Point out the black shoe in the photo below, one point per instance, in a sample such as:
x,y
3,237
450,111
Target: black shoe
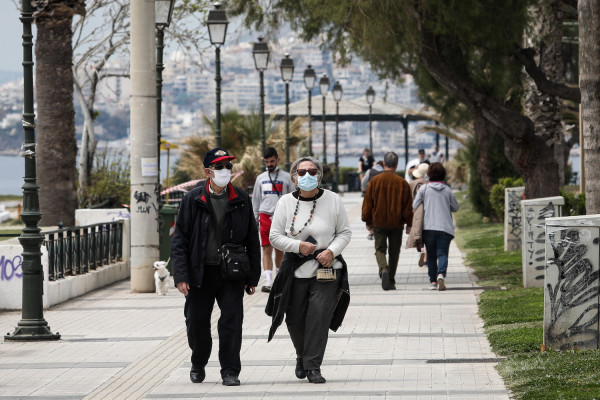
x,y
197,374
265,289
300,372
314,376
231,380
385,280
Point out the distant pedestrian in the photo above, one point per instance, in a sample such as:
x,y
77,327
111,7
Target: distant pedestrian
x,y
386,209
415,238
413,164
373,172
438,227
436,156
365,162
312,227
268,189
213,215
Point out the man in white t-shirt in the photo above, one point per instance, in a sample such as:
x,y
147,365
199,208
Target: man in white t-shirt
x,y
436,156
268,188
413,164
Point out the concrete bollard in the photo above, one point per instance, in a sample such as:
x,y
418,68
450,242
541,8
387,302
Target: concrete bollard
x,y
571,295
533,216
512,218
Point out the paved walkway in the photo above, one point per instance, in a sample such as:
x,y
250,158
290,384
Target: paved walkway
x,y
411,343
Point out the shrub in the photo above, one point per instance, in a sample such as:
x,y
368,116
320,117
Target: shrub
x,y
574,203
109,182
497,194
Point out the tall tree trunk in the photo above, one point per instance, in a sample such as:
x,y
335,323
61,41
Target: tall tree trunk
x,y
544,109
589,82
56,144
483,136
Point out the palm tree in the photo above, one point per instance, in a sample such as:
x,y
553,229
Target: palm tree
x,y
56,145
240,135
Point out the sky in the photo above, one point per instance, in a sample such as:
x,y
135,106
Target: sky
x,y
11,31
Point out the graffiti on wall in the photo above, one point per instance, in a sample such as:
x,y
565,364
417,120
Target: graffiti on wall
x,y
513,219
10,268
572,296
535,239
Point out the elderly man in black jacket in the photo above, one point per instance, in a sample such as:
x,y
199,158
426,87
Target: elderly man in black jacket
x,y
211,215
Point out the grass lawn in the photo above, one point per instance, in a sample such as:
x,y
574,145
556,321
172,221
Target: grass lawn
x,y
513,319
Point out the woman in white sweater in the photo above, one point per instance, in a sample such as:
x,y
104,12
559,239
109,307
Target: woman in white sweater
x,y
311,226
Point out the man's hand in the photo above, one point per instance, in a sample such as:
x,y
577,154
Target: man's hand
x,y
307,248
184,288
250,289
369,227
325,257
407,230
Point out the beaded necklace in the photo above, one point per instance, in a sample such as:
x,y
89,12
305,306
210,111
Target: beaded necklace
x,y
296,213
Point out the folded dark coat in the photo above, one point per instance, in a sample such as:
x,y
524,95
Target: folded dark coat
x,y
279,298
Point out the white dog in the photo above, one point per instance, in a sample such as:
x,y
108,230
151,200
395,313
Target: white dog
x,y
161,277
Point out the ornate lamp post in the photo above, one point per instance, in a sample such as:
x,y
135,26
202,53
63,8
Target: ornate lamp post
x,y
324,86
337,96
309,82
163,11
287,73
217,29
260,52
32,326
370,100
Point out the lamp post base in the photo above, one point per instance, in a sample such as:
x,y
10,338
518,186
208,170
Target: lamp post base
x,y
32,330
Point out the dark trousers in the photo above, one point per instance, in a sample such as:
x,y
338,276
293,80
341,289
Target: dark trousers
x,y
308,318
198,309
382,236
437,245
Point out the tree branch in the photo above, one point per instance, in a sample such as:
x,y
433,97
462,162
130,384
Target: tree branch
x,y
525,57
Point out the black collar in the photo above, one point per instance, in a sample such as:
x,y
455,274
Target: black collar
x,y
296,194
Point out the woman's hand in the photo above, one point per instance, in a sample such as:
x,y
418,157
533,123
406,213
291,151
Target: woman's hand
x,y
325,257
307,248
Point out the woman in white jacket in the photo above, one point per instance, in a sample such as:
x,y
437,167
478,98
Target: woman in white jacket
x,y
438,227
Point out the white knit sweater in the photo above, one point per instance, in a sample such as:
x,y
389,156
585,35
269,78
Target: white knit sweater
x,y
329,226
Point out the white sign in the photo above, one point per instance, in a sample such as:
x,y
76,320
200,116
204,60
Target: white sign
x,y
150,166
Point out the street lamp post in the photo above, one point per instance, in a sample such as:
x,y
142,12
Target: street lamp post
x,y
287,73
324,86
260,52
370,100
309,82
337,96
32,326
163,11
217,29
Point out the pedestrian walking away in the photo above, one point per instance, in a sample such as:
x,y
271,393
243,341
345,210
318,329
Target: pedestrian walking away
x,y
387,209
438,227
268,189
373,172
311,226
214,219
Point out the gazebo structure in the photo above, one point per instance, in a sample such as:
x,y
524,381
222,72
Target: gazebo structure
x,y
357,109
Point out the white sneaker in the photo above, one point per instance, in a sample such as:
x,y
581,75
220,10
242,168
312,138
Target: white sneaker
x,y
433,286
441,283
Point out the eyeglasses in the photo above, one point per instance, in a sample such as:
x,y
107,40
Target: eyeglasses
x,y
311,171
219,167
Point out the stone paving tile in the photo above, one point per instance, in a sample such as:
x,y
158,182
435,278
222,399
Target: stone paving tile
x,y
411,343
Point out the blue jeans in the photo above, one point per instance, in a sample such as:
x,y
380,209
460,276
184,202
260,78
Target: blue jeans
x,y
437,245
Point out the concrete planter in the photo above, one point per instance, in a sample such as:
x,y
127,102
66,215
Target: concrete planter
x,y
512,218
533,218
571,297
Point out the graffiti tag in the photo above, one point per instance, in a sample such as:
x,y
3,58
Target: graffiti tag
x,y
10,268
142,197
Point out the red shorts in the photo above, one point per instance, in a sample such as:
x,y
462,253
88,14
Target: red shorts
x,y
264,221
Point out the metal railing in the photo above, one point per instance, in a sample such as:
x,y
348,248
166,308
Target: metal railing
x,y
80,249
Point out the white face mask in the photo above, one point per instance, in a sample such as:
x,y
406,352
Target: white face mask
x,y
222,177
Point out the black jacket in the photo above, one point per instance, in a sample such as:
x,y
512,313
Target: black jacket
x,y
280,295
188,245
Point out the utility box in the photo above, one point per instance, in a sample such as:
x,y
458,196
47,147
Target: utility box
x,y
571,297
168,216
533,220
512,218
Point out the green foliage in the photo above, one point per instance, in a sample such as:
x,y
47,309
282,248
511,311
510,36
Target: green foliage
x,y
497,194
343,172
514,306
574,203
517,338
109,182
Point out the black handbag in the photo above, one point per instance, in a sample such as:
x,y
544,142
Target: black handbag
x,y
235,264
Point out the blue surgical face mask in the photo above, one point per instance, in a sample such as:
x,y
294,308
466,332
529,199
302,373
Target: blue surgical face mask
x,y
308,182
